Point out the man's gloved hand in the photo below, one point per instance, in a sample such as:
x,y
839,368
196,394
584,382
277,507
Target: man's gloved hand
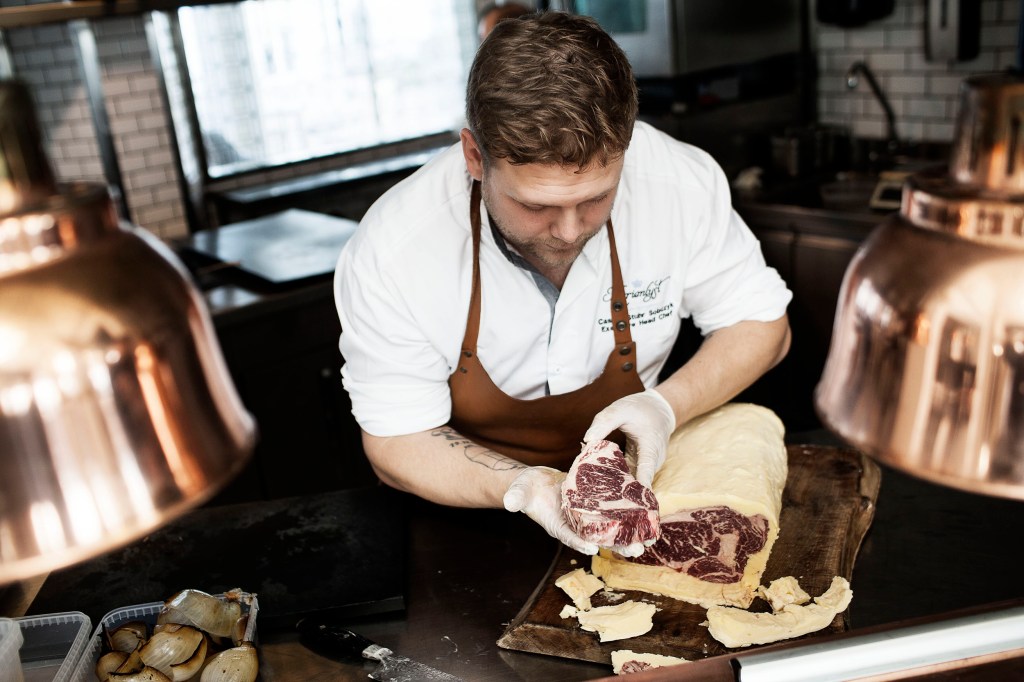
x,y
647,420
537,492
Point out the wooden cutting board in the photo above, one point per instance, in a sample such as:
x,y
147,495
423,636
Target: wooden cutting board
x,y
827,507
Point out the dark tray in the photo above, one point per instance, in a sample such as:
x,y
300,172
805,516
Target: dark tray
x,y
278,248
343,552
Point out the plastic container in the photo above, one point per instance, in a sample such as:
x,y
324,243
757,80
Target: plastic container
x,y
52,645
10,643
147,613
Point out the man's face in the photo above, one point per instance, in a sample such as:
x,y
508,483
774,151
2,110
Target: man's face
x,y
547,212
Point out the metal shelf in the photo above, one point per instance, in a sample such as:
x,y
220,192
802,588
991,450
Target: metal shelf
x,y
60,12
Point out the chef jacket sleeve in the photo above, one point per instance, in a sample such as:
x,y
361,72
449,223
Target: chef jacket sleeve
x,y
396,379
727,280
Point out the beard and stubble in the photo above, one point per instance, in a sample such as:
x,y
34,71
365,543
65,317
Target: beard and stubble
x,y
545,252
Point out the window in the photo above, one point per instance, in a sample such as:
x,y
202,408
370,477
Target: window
x,y
279,81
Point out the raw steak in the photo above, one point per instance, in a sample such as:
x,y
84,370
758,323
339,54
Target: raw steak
x,y
603,503
720,497
712,544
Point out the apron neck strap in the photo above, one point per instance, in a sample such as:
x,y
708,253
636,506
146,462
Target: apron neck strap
x,y
473,322
620,311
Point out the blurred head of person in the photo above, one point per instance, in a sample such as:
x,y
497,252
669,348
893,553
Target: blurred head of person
x,y
491,13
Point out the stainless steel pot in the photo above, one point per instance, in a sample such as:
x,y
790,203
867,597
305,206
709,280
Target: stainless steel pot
x,y
926,367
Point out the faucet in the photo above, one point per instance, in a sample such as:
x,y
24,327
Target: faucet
x,y
852,81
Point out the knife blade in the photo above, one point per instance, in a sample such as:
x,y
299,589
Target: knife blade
x,y
337,642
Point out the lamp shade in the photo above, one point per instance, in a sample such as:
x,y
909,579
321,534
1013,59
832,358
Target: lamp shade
x,y
117,412
926,366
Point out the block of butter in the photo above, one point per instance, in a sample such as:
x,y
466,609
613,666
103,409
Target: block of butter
x,y
621,621
720,495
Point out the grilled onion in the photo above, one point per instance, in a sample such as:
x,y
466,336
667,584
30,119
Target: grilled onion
x,y
172,645
240,664
127,637
190,627
132,664
188,669
238,631
205,612
145,675
109,662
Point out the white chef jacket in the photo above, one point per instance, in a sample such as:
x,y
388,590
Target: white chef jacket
x,y
402,286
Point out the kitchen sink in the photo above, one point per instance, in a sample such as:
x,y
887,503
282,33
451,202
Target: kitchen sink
x,y
870,182
846,191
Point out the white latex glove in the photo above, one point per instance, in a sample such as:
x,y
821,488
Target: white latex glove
x,y
647,420
537,492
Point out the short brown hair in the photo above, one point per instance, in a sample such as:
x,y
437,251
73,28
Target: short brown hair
x,y
551,88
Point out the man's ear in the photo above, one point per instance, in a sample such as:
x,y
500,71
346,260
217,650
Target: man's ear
x,y
471,152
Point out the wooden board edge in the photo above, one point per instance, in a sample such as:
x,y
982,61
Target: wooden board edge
x,y
860,523
869,485
531,601
534,638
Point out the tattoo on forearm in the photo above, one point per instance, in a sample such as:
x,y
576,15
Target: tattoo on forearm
x,y
475,453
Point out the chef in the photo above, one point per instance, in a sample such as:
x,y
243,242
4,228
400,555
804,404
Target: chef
x,y
521,292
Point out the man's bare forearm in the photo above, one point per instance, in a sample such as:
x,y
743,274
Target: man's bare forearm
x,y
728,361
473,452
443,466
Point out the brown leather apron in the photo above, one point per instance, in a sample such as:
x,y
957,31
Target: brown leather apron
x,y
543,431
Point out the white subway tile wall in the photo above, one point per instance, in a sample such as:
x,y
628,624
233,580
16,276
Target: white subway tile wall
x,y
140,130
45,58
923,94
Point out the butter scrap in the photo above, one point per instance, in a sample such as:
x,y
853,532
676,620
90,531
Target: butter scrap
x,y
735,627
580,585
783,591
620,621
625,661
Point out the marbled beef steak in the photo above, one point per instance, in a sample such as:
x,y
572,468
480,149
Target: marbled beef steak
x,y
712,544
603,503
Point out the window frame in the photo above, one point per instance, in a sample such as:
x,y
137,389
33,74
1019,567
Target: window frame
x,y
168,49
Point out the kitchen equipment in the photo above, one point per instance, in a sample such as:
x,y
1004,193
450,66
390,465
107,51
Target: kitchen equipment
x,y
802,151
953,30
889,190
827,508
978,643
668,38
853,74
10,641
117,412
913,649
279,248
341,553
54,642
926,365
849,192
334,641
852,13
